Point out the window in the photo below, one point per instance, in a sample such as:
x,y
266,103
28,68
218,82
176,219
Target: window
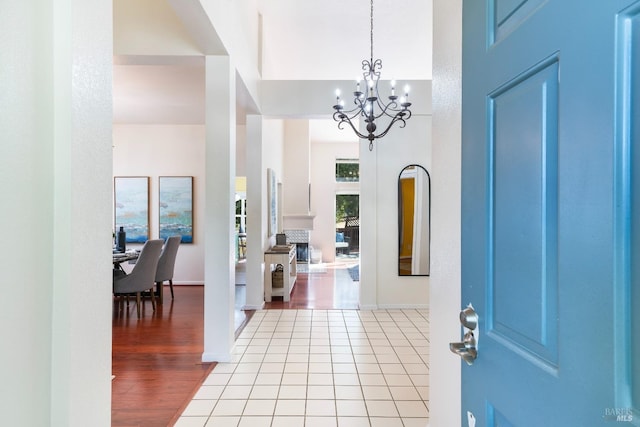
x,y
347,170
241,214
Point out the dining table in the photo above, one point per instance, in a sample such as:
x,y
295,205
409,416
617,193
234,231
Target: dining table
x,y
120,257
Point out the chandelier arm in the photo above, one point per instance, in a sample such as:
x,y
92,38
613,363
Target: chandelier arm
x,y
359,103
403,114
346,120
352,114
388,109
396,119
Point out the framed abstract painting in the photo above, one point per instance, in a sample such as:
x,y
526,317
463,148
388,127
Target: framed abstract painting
x,y
272,202
131,207
176,207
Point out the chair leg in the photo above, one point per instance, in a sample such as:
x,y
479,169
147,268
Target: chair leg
x,y
153,299
159,286
171,287
138,303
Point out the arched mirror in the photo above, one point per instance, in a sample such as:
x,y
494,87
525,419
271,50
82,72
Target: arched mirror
x,y
414,221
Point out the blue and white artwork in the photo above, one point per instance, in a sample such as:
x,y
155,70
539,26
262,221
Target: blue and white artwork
x,y
176,207
131,198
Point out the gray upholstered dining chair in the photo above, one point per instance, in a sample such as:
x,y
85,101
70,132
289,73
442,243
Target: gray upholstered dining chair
x,y
166,264
141,277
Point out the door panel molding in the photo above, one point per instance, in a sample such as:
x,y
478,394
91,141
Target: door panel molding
x,y
523,157
495,418
627,215
506,15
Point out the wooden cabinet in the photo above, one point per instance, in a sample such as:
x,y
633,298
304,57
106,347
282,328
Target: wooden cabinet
x,y
287,258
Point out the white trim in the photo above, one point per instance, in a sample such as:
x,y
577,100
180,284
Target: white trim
x,y
368,307
444,290
297,222
403,306
253,307
213,357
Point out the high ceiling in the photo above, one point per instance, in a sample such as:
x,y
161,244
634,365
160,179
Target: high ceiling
x,y
328,39
159,70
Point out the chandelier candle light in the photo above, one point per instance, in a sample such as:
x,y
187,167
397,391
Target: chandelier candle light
x,y
368,103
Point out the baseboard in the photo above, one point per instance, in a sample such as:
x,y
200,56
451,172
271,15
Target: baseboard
x,y
187,283
212,357
253,307
368,307
403,306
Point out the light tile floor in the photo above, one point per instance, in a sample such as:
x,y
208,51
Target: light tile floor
x,y
317,368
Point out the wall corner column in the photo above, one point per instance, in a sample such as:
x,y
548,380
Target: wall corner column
x,y
368,222
219,218
69,176
256,181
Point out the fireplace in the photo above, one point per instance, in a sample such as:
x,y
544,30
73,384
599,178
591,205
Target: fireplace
x,y
301,239
302,252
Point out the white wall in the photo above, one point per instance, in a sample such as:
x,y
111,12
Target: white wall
x,y
241,150
150,27
445,180
323,192
236,23
167,150
296,167
282,98
401,147
55,174
264,150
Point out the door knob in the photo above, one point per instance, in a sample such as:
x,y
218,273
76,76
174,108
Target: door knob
x,y
467,349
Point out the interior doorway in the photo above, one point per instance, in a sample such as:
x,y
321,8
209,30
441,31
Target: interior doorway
x,y
347,226
240,253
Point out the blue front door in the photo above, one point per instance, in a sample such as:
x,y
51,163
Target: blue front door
x,y
551,211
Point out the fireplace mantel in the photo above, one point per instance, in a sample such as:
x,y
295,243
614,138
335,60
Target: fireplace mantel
x,y
297,222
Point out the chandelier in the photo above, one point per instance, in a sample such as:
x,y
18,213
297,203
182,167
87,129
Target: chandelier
x,y
369,105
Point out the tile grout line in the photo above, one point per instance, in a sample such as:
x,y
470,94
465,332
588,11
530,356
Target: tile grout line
x,y
335,331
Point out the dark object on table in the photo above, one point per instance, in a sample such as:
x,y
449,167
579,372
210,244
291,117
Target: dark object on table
x,y
121,241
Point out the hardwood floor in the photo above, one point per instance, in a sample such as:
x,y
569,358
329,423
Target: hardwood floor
x,y
326,287
157,359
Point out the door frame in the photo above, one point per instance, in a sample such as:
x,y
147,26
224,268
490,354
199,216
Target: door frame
x,y
445,289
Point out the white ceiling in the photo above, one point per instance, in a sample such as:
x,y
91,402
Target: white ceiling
x,y
328,39
318,40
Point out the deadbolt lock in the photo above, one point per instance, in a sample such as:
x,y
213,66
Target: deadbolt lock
x,y
467,349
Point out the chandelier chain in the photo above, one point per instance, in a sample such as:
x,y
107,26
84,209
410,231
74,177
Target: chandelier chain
x,y
371,31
